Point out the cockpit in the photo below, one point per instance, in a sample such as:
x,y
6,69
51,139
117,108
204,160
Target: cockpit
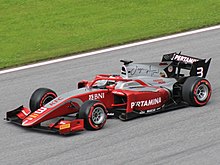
x,y
101,84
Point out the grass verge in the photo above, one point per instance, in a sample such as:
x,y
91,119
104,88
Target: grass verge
x,y
33,30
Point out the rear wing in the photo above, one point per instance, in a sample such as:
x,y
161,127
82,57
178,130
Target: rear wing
x,y
196,66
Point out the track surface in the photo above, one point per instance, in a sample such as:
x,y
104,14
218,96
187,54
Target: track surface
x,y
186,136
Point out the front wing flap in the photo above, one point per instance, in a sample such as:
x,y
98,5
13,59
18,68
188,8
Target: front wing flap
x,y
17,115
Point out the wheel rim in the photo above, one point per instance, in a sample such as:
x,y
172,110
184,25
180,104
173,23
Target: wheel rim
x,y
202,92
98,115
47,100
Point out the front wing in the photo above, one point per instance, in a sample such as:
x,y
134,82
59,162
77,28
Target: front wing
x,y
60,126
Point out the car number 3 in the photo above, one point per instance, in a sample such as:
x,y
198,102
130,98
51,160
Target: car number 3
x,y
200,71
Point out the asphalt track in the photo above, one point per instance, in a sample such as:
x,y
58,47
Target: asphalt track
x,y
185,136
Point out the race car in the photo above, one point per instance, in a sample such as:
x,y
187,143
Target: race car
x,y
140,89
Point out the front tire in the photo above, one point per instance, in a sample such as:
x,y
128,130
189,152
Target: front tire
x,y
40,97
94,114
196,91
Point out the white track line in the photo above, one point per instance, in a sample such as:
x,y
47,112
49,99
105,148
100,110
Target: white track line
x,y
109,49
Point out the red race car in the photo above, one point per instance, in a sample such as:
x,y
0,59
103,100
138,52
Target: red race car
x,y
141,88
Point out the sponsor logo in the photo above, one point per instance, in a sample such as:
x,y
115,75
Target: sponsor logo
x,y
170,68
55,101
147,111
97,96
25,113
111,114
142,112
64,126
144,70
33,115
146,103
40,110
184,59
151,110
159,81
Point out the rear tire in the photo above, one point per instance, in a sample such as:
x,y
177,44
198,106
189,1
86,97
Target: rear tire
x,y
40,97
196,91
94,114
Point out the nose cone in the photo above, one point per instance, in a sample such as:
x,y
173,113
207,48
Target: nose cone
x,y
36,116
26,123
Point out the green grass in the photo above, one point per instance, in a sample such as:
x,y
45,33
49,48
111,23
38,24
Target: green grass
x,y
33,30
